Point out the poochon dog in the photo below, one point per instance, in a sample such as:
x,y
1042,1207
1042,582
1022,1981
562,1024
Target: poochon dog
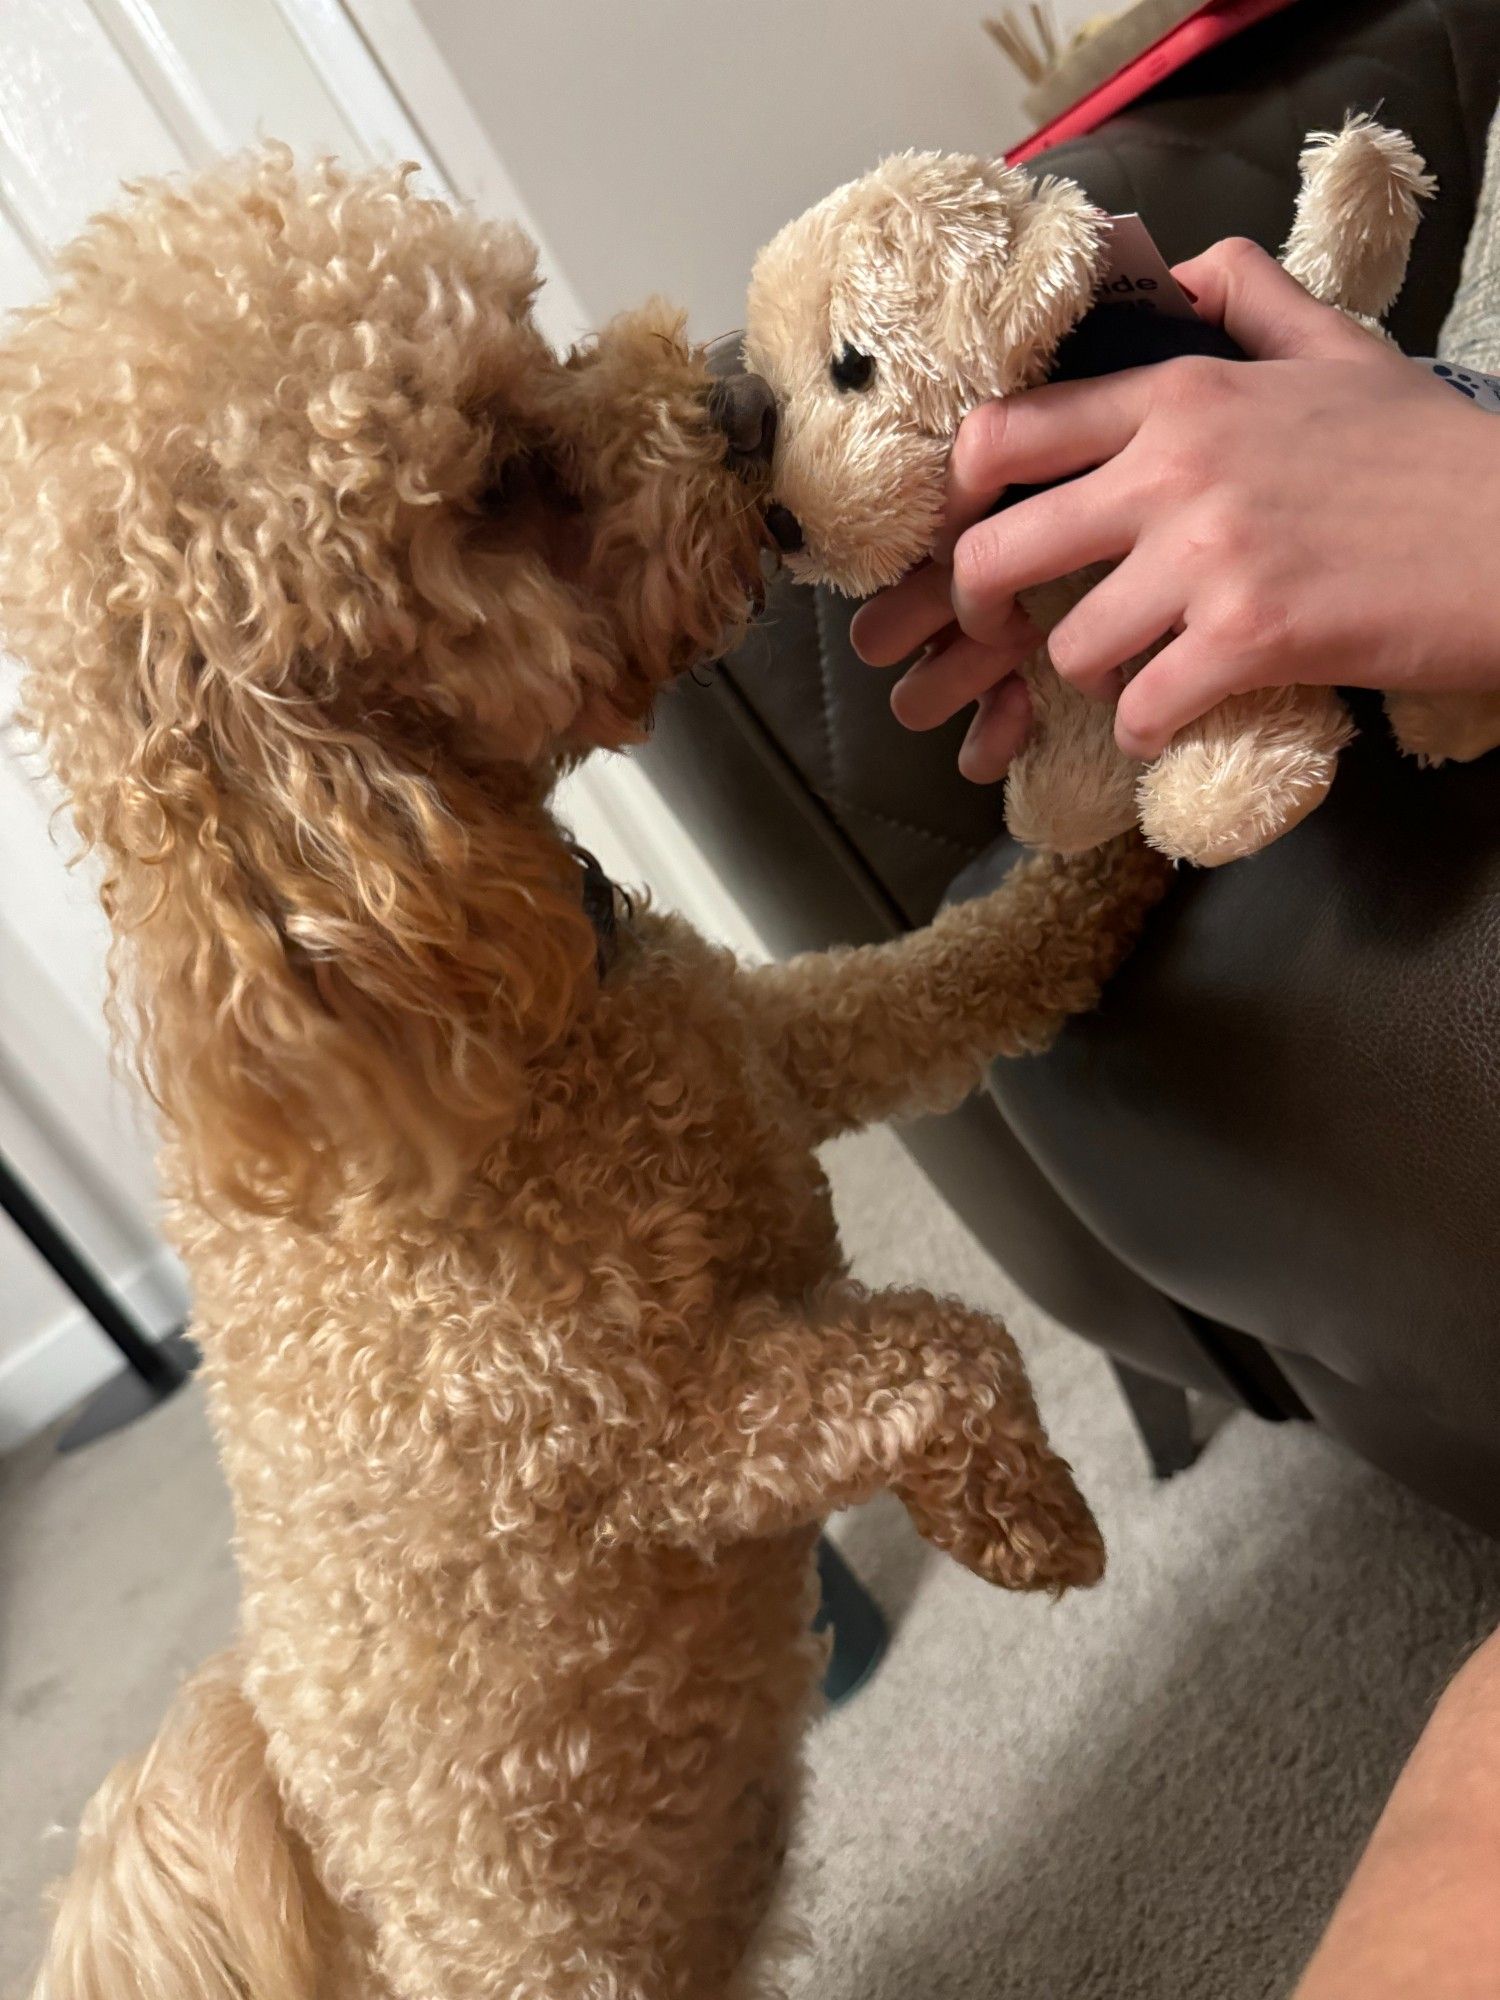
x,y
529,1346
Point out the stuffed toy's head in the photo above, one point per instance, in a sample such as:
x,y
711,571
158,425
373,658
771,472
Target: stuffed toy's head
x,y
884,314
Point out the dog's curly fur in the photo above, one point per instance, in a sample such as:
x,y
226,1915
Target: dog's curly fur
x,y
529,1345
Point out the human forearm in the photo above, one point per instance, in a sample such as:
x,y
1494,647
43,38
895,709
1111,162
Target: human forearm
x,y
1421,1918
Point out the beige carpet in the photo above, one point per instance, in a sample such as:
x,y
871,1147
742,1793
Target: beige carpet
x,y
1146,1793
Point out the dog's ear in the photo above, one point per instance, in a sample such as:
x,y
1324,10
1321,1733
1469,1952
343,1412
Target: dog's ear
x,y
964,273
340,953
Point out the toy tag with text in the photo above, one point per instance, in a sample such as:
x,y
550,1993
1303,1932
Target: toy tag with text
x,y
1136,274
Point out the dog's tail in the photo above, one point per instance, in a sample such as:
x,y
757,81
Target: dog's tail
x,y
187,1883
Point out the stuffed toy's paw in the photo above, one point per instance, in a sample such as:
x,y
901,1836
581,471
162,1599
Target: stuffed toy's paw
x,y
1445,728
1244,774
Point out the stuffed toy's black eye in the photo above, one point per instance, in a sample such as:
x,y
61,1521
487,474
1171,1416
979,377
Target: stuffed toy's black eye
x,y
851,369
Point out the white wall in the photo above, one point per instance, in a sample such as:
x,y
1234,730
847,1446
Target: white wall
x,y
658,143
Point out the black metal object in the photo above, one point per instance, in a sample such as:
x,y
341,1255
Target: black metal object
x,y
126,1395
153,1369
1163,1417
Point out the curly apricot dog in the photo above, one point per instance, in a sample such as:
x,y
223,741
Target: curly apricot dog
x,y
530,1349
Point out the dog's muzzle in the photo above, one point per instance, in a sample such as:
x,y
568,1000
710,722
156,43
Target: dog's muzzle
x,y
742,405
745,411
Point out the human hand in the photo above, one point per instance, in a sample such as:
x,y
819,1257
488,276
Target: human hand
x,y
1325,514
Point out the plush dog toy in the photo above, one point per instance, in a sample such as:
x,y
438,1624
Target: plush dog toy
x,y
894,306
530,1349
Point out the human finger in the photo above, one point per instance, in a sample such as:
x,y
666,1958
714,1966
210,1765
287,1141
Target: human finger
x,y
996,734
896,621
1139,601
1187,678
1050,535
953,675
1034,438
1242,288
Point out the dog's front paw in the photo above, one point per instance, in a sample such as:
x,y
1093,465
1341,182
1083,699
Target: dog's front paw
x,y
1008,1510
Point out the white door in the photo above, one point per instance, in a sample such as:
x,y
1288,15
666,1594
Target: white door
x,y
92,91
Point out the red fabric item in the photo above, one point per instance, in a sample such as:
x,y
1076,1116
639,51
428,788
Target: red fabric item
x,y
1214,22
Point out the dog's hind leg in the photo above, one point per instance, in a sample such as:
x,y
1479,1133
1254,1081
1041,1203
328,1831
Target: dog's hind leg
x,y
187,1884
894,1030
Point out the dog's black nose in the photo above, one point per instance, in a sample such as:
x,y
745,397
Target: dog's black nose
x,y
786,529
745,411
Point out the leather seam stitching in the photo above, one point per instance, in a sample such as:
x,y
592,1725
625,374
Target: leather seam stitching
x,y
750,721
825,700
837,797
907,826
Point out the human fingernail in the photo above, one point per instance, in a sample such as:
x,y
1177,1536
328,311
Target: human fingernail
x,y
901,696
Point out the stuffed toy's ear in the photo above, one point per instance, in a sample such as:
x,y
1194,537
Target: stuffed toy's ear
x,y
964,274
1045,288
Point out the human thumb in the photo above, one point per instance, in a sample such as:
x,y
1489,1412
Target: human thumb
x,y
1273,318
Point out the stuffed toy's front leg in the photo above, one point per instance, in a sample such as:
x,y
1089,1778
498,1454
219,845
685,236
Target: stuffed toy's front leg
x,y
1445,728
798,1409
1233,781
1244,774
1070,788
894,1030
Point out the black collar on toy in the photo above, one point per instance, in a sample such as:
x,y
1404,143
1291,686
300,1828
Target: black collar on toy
x,y
1110,338
600,906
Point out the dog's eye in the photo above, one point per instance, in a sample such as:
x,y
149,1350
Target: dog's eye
x,y
851,369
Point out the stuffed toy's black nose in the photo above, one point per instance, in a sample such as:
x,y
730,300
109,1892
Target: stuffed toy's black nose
x,y
745,411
